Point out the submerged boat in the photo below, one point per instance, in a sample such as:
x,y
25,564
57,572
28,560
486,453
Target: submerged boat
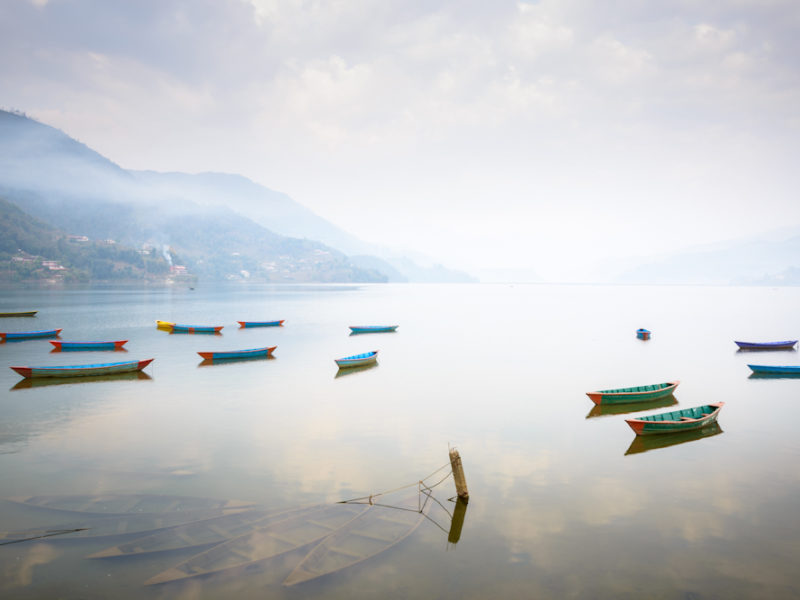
x,y
357,360
643,334
115,345
640,393
30,313
234,354
83,370
372,328
28,335
677,420
295,531
245,324
784,345
375,531
178,328
775,369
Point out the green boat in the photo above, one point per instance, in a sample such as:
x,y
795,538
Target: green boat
x,y
677,420
642,393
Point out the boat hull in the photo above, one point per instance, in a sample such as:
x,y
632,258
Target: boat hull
x,y
373,328
775,369
643,334
83,370
676,421
29,335
238,354
643,393
115,345
176,328
357,360
30,313
784,345
248,324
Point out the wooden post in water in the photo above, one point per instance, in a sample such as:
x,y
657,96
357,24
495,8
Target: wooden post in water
x,y
458,475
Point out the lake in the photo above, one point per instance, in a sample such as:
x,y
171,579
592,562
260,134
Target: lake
x,y
565,501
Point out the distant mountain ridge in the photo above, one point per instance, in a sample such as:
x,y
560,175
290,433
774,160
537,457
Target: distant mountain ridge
x,y
241,228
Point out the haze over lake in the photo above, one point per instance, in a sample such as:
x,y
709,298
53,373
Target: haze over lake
x,y
564,502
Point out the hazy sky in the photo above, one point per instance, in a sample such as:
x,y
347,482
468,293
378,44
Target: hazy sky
x,y
543,135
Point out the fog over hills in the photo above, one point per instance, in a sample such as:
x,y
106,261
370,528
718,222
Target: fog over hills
x,y
224,225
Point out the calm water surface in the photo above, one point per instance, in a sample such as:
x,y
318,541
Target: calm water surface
x,y
564,502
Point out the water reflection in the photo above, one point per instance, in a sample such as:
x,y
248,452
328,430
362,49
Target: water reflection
x,y
207,362
351,370
774,376
457,522
644,443
35,382
600,410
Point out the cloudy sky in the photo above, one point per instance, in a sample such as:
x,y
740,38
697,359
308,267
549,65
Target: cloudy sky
x,y
526,135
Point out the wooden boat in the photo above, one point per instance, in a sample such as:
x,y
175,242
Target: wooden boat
x,y
27,335
784,345
261,544
165,324
640,393
116,345
357,360
30,313
124,504
775,369
178,328
372,328
677,420
375,531
235,354
643,334
246,324
84,370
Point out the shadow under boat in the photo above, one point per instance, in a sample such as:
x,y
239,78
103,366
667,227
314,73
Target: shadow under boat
x,y
35,382
774,376
601,410
207,362
645,443
351,370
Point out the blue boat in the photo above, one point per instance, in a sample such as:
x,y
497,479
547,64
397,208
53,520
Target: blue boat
x,y
83,370
177,328
235,354
643,334
776,370
372,328
115,345
247,324
357,360
784,345
28,335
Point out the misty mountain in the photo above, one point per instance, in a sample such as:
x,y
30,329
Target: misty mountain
x,y
62,181
762,260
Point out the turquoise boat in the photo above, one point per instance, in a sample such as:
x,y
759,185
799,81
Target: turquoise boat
x,y
83,370
238,354
776,370
29,335
357,360
248,324
372,328
643,334
676,421
177,328
63,346
642,393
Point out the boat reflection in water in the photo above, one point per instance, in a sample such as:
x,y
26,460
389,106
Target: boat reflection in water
x,y
601,410
351,370
787,375
207,362
35,383
643,443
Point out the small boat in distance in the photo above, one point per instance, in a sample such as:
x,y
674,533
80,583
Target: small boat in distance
x,y
30,313
372,328
115,345
784,345
775,369
357,360
165,324
29,335
247,324
176,328
643,334
677,420
640,393
234,354
83,370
